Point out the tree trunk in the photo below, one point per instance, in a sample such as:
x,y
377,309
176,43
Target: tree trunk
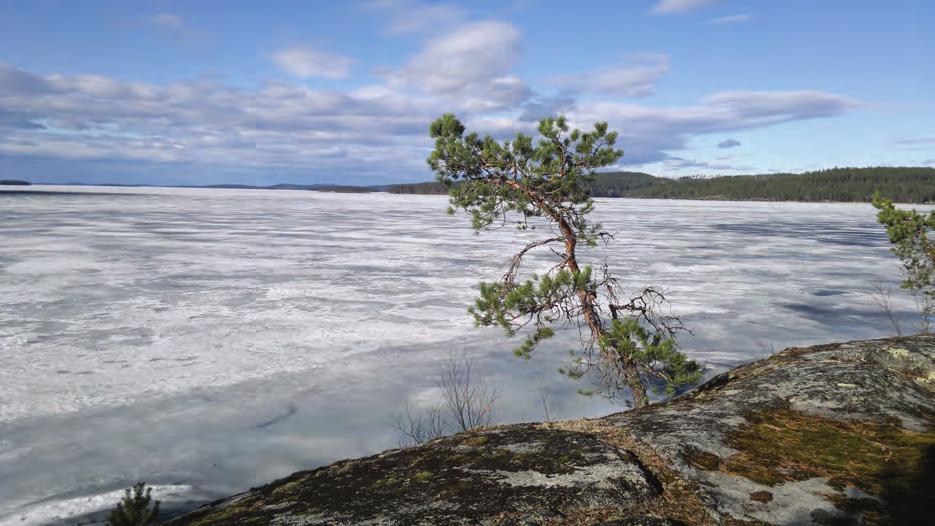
x,y
630,372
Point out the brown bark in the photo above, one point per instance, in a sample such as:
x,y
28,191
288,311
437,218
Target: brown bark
x,y
629,369
592,318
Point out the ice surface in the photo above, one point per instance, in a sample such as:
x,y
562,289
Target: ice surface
x,y
217,339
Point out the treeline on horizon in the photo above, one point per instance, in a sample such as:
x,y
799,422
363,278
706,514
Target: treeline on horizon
x,y
901,184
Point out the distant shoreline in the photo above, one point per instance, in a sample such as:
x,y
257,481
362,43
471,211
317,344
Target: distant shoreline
x,y
912,185
37,192
32,192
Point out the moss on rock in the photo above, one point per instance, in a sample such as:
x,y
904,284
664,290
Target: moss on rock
x,y
832,434
784,445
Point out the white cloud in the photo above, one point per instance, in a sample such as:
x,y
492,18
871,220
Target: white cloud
x,y
731,19
540,107
668,7
409,17
915,143
471,67
636,80
681,164
305,62
648,133
766,107
168,21
377,131
16,81
373,132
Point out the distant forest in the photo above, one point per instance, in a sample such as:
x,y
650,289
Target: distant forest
x,y
903,185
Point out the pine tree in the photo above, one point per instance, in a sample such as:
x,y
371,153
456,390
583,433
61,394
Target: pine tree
x,y
909,233
630,344
134,510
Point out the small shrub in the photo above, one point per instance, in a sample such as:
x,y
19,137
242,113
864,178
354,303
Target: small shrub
x,y
134,509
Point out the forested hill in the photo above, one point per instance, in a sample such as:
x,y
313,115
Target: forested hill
x,y
610,184
429,188
904,185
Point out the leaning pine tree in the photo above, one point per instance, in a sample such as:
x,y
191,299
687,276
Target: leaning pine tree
x,y
629,342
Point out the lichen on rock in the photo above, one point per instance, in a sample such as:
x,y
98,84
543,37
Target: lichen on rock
x,y
832,434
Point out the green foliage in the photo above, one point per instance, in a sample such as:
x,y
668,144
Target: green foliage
x,y
134,509
622,184
489,179
500,304
904,184
427,188
839,184
655,348
550,179
909,232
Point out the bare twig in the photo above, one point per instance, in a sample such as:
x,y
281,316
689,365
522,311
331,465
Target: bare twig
x,y
518,258
470,398
765,351
925,304
880,294
544,396
468,404
422,428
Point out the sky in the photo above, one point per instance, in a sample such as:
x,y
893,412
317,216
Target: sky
x,y
211,91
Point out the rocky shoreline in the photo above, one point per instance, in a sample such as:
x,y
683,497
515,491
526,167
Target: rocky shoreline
x,y
841,433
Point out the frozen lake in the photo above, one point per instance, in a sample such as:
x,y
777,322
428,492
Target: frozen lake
x,y
209,340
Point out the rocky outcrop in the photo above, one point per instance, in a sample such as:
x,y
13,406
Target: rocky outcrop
x,y
832,434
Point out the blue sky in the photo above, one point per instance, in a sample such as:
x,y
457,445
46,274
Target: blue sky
x,y
204,92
